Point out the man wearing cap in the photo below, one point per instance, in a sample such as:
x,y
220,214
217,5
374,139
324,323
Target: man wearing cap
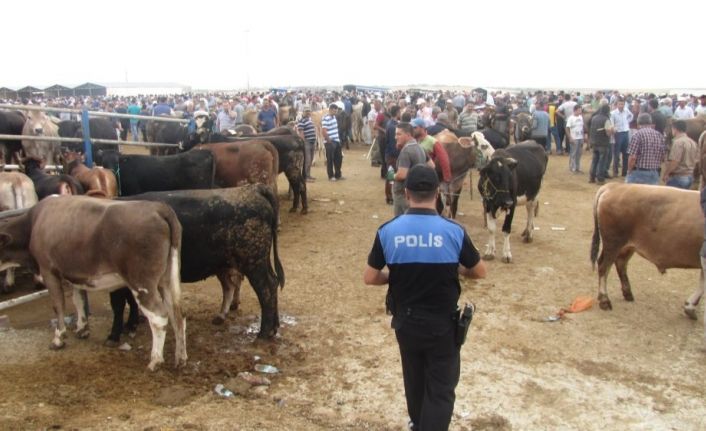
x,y
436,152
683,112
646,152
424,254
307,131
334,152
411,154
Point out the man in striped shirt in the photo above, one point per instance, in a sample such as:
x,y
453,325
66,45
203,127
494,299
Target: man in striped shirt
x,y
334,152
307,131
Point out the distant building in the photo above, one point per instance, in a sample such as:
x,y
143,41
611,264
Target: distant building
x,y
144,88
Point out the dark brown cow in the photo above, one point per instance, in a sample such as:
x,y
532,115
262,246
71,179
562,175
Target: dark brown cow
x,y
665,225
244,162
96,181
97,244
694,128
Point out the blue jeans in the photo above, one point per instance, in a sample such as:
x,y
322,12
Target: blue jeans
x,y
682,182
621,148
599,164
135,133
575,155
554,132
637,176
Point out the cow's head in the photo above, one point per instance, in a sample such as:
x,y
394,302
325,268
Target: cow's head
x,y
36,123
496,183
482,146
199,131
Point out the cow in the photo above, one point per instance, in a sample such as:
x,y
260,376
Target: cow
x,y
46,185
694,128
228,233
496,139
464,154
513,172
100,128
523,127
39,124
16,192
290,149
96,181
166,132
140,173
665,225
357,122
97,244
250,118
245,130
11,123
286,114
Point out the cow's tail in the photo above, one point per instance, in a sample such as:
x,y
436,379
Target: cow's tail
x,y
172,294
271,197
596,241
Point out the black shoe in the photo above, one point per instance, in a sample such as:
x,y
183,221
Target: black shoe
x,y
591,180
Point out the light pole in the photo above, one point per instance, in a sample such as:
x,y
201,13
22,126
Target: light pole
x,y
247,60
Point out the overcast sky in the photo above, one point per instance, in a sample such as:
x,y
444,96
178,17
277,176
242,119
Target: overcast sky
x,y
205,44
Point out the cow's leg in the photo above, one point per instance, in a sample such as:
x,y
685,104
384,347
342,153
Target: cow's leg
x,y
56,292
507,228
605,260
133,317
231,280
82,330
490,247
156,313
693,301
529,229
117,305
265,286
621,266
9,280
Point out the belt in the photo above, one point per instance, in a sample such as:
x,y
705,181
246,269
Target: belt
x,y
425,314
645,169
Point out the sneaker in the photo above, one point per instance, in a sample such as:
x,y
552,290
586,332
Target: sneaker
x,y
332,179
591,180
341,178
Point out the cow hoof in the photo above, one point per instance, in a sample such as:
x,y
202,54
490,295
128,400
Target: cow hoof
x,y
111,343
218,320
605,304
57,346
154,365
527,239
690,312
83,333
488,256
628,296
507,259
292,210
305,211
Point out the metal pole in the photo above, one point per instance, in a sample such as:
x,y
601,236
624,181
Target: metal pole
x,y
87,146
93,113
22,299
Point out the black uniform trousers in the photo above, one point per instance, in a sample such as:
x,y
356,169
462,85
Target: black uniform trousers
x,y
431,367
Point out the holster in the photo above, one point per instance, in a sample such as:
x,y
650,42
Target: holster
x,y
463,323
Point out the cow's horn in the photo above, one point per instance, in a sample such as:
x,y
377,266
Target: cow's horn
x,y
13,213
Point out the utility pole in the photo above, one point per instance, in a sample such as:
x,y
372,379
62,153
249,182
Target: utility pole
x,y
247,60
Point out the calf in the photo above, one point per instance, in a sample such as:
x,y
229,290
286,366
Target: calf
x,y
98,182
46,184
228,233
665,225
511,173
96,244
16,192
100,128
140,174
166,133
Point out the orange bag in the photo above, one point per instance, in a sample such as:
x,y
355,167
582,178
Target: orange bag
x,y
581,303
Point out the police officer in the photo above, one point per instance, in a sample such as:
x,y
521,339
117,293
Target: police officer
x,y
425,253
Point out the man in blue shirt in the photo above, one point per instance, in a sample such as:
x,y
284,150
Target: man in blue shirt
x,y
267,118
425,253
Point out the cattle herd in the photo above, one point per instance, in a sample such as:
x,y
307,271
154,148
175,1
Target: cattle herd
x,y
138,225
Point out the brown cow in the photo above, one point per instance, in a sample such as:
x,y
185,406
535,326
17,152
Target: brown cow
x,y
244,162
250,118
665,225
694,128
97,244
96,181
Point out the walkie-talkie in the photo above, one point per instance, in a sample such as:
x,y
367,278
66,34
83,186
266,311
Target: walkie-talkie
x,y
464,323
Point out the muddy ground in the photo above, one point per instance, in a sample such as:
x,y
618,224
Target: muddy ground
x,y
637,367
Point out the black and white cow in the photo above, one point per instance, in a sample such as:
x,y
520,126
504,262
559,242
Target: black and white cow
x,y
513,172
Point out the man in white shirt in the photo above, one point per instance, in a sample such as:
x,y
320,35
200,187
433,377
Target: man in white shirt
x,y
701,109
574,133
621,119
683,112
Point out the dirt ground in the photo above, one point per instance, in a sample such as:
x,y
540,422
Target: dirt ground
x,y
633,368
